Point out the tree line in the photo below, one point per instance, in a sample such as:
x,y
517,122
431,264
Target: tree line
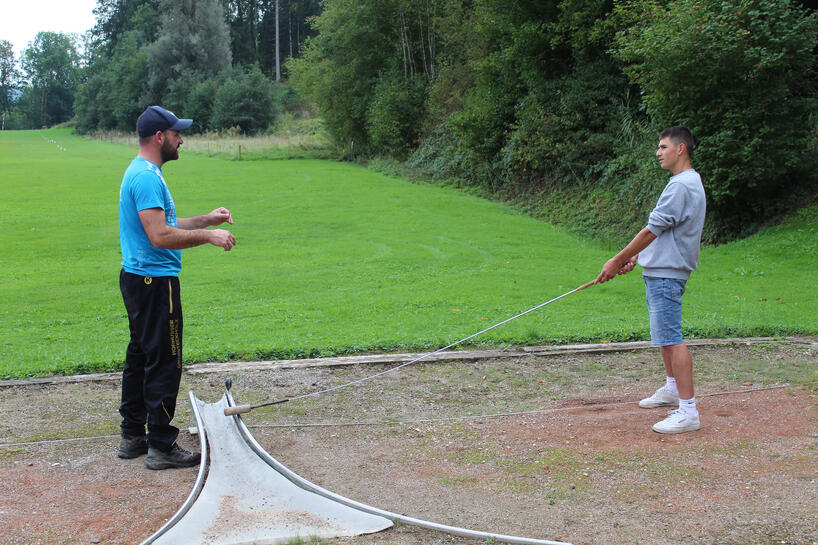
x,y
555,104
558,103
213,60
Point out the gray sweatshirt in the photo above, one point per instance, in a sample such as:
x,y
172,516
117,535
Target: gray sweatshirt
x,y
677,222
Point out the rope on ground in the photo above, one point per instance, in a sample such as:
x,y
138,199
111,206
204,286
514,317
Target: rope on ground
x,y
422,420
501,415
49,441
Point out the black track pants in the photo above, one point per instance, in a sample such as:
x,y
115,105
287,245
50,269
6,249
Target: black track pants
x,y
153,361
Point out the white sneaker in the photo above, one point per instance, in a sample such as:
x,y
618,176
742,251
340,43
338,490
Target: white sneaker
x,y
660,397
678,421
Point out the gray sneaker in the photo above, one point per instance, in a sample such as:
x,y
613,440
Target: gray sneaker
x,y
175,457
132,446
660,397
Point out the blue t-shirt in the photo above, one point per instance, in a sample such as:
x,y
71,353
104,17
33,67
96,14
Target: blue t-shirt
x,y
144,187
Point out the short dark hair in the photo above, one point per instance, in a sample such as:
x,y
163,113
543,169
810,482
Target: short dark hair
x,y
680,134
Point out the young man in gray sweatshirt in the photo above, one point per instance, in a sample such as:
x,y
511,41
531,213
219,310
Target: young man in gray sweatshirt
x,y
668,251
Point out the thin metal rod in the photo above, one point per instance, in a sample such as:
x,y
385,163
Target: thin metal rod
x,y
427,355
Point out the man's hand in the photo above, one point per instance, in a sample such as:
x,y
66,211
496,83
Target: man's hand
x,y
222,238
624,261
216,217
191,231
614,267
219,216
628,266
609,270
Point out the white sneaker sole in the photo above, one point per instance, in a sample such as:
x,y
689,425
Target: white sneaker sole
x,y
676,430
645,404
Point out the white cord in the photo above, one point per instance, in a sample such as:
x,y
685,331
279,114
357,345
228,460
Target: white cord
x,y
419,421
424,356
499,415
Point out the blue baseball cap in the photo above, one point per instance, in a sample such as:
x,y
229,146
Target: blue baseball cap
x,y
156,118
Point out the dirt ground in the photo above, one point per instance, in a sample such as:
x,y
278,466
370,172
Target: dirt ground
x,y
550,447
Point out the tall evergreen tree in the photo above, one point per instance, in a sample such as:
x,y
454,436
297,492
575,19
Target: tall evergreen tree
x,y
243,21
253,29
194,40
116,17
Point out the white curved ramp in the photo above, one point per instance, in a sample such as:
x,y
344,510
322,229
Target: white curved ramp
x,y
250,498
244,500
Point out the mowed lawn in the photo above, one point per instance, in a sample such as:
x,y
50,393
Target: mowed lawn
x,y
333,258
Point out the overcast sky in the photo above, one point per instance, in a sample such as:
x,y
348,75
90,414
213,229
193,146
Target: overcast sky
x,y
23,19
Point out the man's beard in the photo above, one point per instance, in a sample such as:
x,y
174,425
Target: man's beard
x,y
169,152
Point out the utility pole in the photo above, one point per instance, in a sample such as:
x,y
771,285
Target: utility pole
x,y
278,64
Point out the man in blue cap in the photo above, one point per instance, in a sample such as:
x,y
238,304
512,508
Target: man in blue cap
x,y
152,239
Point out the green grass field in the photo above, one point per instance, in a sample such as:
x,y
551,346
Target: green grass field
x,y
333,258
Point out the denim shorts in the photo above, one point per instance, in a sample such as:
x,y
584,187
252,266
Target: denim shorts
x,y
664,296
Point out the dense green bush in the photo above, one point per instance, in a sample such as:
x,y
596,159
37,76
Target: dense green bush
x,y
244,100
741,74
199,104
541,118
112,96
553,121
393,117
178,92
355,67
289,100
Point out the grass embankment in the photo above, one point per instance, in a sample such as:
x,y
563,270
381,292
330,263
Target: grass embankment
x,y
334,258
